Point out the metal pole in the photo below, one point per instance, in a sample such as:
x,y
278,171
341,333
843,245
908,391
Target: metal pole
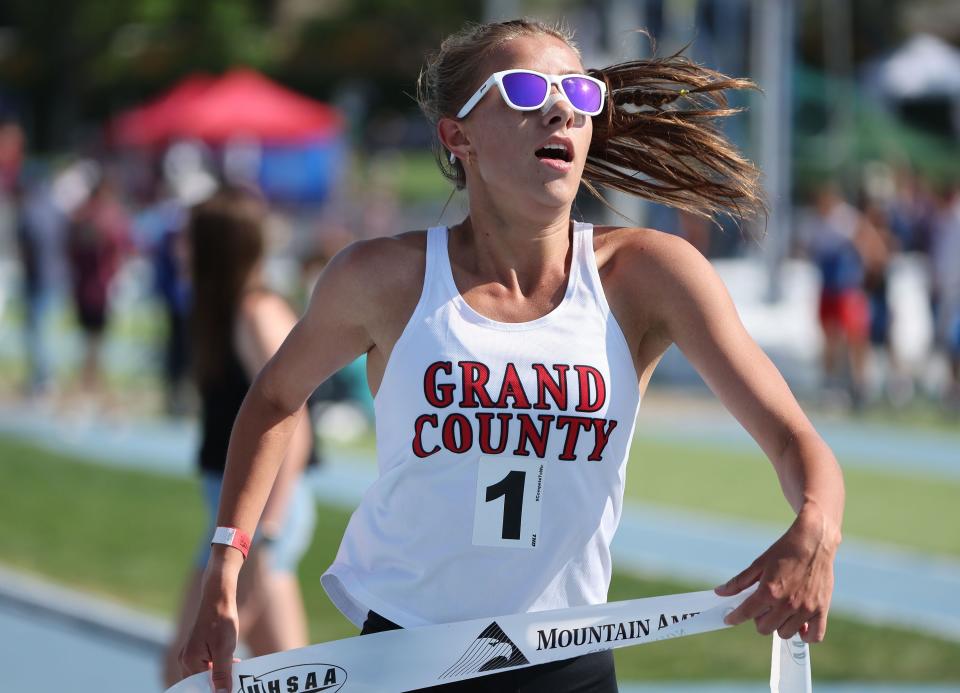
x,y
773,39
623,18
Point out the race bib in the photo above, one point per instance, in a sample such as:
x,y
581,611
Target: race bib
x,y
508,500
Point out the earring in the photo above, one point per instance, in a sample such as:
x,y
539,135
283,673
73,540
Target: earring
x,y
453,158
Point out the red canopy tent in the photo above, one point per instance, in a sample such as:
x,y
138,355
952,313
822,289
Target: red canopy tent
x,y
242,103
245,103
149,125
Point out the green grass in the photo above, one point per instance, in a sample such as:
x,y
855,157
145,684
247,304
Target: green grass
x,y
141,326
416,177
922,414
131,535
851,651
124,534
916,513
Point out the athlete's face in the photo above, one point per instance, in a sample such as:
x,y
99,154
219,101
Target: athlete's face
x,y
503,143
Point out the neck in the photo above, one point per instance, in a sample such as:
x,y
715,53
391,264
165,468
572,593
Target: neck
x,y
512,248
523,255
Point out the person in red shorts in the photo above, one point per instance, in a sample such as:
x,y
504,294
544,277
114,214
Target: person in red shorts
x,y
845,312
834,235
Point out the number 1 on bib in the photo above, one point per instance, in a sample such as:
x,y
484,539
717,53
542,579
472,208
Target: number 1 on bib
x,y
509,491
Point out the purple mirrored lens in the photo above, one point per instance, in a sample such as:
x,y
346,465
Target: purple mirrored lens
x,y
524,89
583,93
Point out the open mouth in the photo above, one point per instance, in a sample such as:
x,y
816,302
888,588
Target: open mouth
x,y
554,151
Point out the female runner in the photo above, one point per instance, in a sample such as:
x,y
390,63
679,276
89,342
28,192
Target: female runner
x,y
508,355
237,324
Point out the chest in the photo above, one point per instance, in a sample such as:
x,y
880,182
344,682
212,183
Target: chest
x,y
554,392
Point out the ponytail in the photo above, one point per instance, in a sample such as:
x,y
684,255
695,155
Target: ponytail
x,y
657,139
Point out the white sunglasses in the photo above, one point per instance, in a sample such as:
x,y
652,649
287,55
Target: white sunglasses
x,y
528,90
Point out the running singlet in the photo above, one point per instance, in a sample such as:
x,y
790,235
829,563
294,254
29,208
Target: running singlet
x,y
502,453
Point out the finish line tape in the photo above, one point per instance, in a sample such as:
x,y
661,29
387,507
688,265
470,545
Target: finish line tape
x,y
403,660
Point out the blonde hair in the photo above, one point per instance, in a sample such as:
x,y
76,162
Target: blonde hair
x,y
656,138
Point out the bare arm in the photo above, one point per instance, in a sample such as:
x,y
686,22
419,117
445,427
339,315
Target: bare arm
x,y
796,573
264,322
332,333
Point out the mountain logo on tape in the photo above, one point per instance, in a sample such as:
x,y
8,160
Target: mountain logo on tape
x,y
491,650
302,678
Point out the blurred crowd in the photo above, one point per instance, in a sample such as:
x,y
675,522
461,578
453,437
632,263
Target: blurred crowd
x,y
856,245
78,223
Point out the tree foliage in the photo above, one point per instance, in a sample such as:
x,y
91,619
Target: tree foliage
x,y
77,61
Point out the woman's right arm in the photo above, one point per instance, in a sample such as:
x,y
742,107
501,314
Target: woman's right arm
x,y
333,332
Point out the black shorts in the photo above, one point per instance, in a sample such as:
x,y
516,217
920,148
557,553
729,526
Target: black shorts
x,y
592,673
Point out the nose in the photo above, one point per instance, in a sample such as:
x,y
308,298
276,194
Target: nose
x,y
558,110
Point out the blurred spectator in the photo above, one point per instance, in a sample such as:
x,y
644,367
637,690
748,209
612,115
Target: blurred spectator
x,y
159,229
40,239
236,325
11,154
878,246
11,160
910,213
97,238
945,285
836,236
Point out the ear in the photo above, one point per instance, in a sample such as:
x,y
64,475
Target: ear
x,y
453,138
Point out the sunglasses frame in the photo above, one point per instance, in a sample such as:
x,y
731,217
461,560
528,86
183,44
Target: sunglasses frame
x,y
497,78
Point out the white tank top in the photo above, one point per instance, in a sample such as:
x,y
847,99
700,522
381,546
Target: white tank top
x,y
502,452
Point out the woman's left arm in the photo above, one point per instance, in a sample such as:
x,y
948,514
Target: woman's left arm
x,y
795,574
265,320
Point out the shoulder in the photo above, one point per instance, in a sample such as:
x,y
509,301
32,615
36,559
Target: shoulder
x,y
657,279
645,256
370,280
378,267
386,259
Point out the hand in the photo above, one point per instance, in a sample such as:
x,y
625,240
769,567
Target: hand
x,y
212,641
796,580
